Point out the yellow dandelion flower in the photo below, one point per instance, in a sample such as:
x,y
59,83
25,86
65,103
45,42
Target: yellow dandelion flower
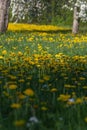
x,y
21,80
41,80
29,78
1,57
78,101
65,78
44,108
46,77
29,92
82,78
51,39
70,103
84,87
5,93
20,53
21,96
63,97
12,86
54,90
1,47
15,105
4,52
85,119
19,123
69,86
85,98
12,77
30,39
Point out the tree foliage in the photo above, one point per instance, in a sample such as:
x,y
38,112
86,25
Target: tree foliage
x,y
46,11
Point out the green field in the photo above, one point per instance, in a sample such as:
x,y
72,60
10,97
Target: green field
x,y
43,79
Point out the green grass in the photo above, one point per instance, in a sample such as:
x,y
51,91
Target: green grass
x,y
53,67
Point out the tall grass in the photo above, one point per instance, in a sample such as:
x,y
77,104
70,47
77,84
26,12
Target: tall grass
x,y
43,79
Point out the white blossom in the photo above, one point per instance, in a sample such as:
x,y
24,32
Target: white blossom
x,y
82,5
22,8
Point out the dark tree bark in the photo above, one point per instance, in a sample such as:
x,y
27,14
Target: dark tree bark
x,y
4,9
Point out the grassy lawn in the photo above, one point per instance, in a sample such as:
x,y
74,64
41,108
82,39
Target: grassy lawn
x,y
43,78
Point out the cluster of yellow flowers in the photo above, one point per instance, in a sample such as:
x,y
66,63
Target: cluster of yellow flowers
x,y
34,77
33,27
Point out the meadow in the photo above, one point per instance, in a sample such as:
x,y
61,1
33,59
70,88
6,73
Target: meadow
x,y
43,78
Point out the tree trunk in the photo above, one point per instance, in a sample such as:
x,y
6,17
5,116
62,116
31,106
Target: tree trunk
x,y
75,27
4,8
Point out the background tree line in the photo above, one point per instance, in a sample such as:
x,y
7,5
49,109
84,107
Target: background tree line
x,y
56,12
39,11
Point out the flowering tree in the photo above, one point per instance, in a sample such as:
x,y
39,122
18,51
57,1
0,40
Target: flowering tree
x,y
35,8
26,9
80,13
18,10
4,8
79,8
